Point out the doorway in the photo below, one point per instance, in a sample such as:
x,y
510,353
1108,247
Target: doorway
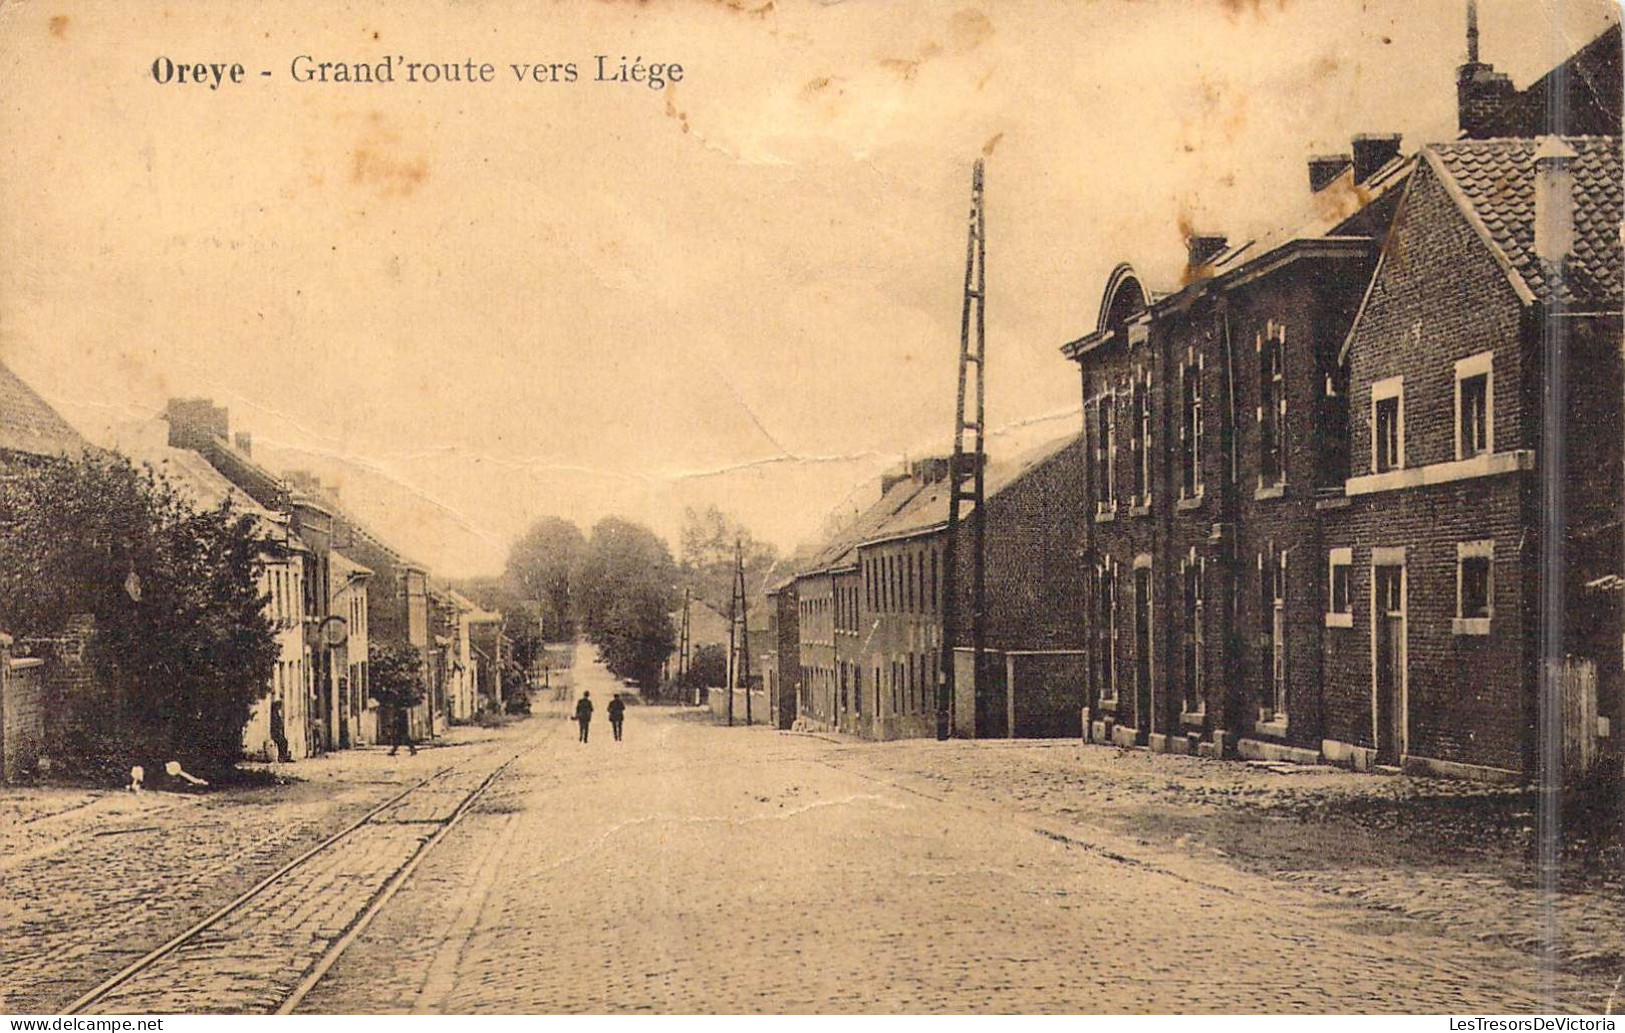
x,y
1142,654
1389,661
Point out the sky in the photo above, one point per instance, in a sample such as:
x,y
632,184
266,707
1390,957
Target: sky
x,y
470,305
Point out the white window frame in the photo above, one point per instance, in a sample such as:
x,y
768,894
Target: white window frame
x,y
1336,558
1482,549
1274,334
1108,423
1190,423
1381,391
1144,433
1475,365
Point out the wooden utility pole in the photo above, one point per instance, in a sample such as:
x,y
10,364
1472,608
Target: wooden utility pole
x,y
738,635
965,475
682,646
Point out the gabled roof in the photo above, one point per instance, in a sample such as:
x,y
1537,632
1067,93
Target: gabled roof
x,y
1493,182
1335,220
840,550
29,425
195,478
345,569
927,511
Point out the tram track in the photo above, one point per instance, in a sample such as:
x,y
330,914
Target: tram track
x,y
169,974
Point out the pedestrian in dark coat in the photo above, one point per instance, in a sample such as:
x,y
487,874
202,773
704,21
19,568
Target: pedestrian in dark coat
x,y
584,713
617,714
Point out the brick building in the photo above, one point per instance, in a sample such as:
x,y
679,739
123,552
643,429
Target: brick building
x,y
870,622
1434,620
1343,420
1213,424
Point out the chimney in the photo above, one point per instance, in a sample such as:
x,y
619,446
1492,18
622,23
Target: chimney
x,y
194,423
1481,91
931,469
1372,151
245,442
1323,168
1201,248
1554,202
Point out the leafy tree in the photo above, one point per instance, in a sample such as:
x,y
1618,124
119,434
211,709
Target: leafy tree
x,y
540,567
707,667
707,544
396,673
624,594
181,648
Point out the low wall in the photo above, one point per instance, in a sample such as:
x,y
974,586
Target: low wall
x,y
760,713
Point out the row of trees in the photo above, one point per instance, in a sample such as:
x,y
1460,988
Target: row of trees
x,y
620,585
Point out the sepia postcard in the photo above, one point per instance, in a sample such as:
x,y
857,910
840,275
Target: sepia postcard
x,y
780,507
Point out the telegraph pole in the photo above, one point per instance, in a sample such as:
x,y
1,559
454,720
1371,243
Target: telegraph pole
x,y
682,646
965,475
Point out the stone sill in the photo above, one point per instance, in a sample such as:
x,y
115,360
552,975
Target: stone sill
x,y
1276,728
1489,465
1470,625
1106,516
1340,620
1270,491
1193,718
1186,505
1140,511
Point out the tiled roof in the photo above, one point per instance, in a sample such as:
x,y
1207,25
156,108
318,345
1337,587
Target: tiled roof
x,y
929,508
912,508
1496,178
193,476
28,424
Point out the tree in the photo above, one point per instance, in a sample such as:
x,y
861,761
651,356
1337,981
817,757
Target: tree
x,y
181,649
707,544
707,667
396,673
540,567
624,592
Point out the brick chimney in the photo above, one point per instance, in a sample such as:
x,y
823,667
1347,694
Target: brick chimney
x,y
1554,202
1201,248
195,422
1481,91
245,442
1323,168
1372,151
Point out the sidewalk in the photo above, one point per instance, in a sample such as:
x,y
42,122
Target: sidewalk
x,y
1457,856
95,878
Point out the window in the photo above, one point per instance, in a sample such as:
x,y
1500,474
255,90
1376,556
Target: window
x,y
1388,425
1475,420
1339,591
1272,635
1190,429
1475,588
1271,347
1195,635
1106,630
1140,440
1106,453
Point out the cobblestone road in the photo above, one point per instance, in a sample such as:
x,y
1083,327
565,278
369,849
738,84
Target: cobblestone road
x,y
93,881
695,868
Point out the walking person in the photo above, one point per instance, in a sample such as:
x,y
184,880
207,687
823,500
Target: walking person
x,y
584,713
617,714
403,732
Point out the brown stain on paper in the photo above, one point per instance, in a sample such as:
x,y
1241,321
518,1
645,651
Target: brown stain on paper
x,y
377,161
59,26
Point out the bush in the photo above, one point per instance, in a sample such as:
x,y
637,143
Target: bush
x,y
181,648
